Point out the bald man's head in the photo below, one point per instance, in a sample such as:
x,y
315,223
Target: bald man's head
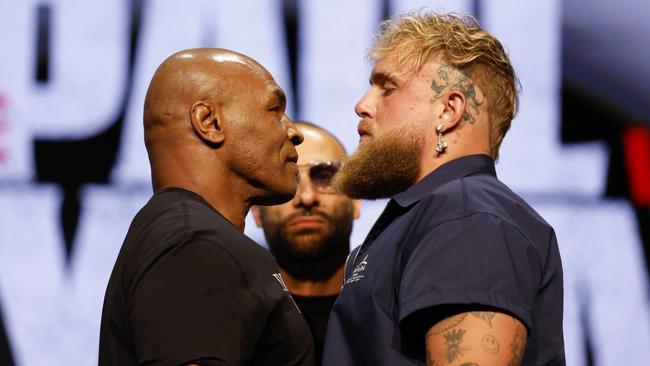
x,y
305,126
214,114
310,234
191,75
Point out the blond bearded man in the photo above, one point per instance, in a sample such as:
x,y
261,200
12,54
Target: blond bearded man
x,y
458,269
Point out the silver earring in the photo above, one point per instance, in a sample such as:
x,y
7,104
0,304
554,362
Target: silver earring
x,y
442,143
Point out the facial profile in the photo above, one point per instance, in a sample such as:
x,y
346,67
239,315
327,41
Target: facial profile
x,y
470,60
216,118
383,166
263,140
309,235
395,121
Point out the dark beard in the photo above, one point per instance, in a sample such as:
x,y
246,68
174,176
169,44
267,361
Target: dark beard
x,y
325,254
382,167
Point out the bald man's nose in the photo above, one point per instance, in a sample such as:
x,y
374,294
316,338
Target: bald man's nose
x,y
293,133
306,195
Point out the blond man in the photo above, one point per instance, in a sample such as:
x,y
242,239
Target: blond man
x,y
458,269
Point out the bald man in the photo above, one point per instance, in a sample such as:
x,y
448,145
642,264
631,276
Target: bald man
x,y
310,235
188,287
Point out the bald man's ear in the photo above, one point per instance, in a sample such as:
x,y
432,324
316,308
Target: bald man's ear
x,y
255,210
205,122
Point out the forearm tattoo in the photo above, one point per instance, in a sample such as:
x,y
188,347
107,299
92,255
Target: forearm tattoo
x,y
455,349
490,344
448,324
451,336
485,316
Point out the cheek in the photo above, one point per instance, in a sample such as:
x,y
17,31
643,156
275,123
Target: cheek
x,y
337,205
278,213
392,113
275,136
408,103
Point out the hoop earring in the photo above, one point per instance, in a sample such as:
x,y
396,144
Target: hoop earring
x,y
442,143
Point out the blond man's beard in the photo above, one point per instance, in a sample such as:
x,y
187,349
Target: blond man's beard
x,y
382,167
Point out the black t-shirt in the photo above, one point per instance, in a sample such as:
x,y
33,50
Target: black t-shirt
x,y
6,357
188,287
316,310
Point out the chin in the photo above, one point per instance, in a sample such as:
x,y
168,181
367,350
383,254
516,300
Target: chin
x,y
276,192
272,199
276,196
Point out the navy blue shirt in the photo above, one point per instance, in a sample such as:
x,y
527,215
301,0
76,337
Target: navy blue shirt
x,y
458,237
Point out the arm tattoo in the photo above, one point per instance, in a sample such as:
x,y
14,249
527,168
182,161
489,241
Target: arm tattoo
x,y
490,344
449,323
517,347
486,316
454,79
454,348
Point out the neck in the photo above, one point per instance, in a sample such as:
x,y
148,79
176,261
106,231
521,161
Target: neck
x,y
233,210
468,144
319,276
233,204
308,287
185,164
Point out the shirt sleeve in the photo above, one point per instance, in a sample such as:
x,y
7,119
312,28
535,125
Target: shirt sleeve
x,y
191,305
475,260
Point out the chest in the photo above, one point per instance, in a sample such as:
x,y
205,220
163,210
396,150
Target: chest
x,y
372,277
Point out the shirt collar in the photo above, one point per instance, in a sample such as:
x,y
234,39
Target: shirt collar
x,y
451,170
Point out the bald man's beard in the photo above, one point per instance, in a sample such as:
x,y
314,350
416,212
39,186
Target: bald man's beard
x,y
310,254
383,166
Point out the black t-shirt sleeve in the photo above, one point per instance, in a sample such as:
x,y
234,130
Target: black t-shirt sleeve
x,y
190,306
476,260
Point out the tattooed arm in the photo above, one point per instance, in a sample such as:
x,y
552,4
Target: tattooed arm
x,y
476,338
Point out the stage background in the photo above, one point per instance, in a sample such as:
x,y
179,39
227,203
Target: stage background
x,y
73,169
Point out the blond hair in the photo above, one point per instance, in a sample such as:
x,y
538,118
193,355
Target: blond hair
x,y
460,41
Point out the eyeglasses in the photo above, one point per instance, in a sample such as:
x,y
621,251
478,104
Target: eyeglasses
x,y
321,173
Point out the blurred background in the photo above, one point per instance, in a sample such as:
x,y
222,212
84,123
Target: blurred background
x,y
73,169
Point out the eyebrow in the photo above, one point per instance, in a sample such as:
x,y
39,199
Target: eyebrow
x,y
378,77
280,94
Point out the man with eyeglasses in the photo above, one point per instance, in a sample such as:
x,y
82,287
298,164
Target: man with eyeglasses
x,y
310,235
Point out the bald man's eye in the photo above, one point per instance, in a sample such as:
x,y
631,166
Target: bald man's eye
x,y
276,108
